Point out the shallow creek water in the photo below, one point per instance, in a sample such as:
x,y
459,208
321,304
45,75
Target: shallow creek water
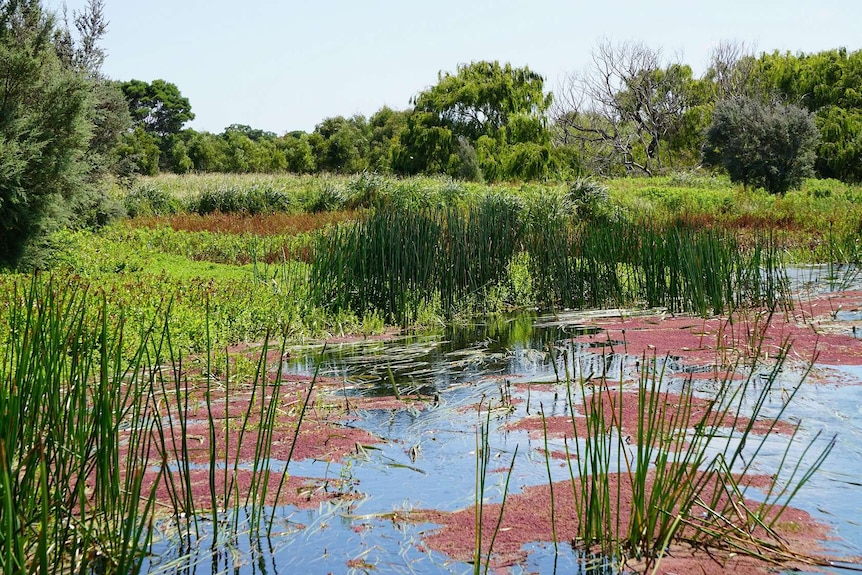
x,y
427,457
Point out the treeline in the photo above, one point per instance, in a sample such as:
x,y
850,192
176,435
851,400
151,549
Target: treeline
x,y
631,112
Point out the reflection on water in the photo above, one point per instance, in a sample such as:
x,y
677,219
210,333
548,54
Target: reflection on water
x,y
427,459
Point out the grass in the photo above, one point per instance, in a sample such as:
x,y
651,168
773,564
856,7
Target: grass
x,y
686,487
88,375
398,260
85,453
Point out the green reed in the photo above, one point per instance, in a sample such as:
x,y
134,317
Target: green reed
x,y
93,440
71,501
606,264
399,259
684,484
483,459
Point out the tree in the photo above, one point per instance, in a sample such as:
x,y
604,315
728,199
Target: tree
x,y
343,145
731,71
386,126
158,107
627,105
482,97
482,109
765,145
44,132
298,152
828,84
140,150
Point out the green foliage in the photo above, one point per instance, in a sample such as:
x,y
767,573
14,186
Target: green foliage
x,y
95,441
64,474
158,107
589,199
828,84
110,119
140,150
255,199
149,200
343,146
387,126
44,133
485,113
482,98
208,152
840,152
298,153
770,146
329,198
400,259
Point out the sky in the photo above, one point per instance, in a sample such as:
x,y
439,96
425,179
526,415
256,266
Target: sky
x,y
286,65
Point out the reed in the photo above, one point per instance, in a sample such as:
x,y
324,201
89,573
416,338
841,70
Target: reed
x,y
398,260
71,495
93,440
481,554
683,484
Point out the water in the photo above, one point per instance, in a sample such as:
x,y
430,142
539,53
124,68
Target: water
x,y
428,457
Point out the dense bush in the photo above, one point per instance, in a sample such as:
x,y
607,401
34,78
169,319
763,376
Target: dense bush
x,y
768,146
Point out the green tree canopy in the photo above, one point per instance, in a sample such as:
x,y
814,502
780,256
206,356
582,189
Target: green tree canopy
x,y
342,145
44,131
158,107
479,114
829,84
481,98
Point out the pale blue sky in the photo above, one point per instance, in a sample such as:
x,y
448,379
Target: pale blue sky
x,y
286,65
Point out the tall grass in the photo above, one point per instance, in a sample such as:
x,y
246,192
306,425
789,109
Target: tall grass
x,y
93,440
399,259
70,501
684,486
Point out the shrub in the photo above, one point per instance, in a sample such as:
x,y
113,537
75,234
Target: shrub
x,y
769,146
589,198
150,200
255,199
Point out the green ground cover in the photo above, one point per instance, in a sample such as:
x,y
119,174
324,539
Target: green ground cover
x,y
280,276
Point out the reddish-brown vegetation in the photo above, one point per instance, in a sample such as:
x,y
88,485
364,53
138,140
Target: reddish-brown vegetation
x,y
527,518
237,223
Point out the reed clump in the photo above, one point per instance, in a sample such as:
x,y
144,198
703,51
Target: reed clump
x,y
93,440
400,258
684,469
